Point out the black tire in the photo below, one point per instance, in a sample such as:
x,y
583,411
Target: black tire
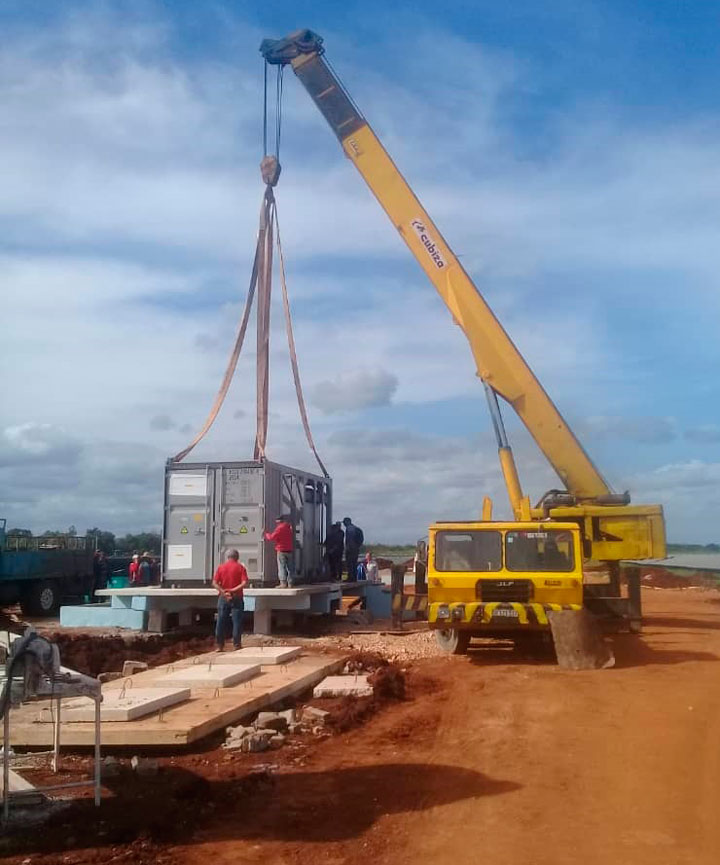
x,y
41,599
453,641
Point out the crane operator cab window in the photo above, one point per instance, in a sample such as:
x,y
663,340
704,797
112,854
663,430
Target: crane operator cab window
x,y
468,551
539,551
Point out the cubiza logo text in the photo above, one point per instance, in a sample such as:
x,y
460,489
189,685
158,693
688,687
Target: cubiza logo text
x,y
418,226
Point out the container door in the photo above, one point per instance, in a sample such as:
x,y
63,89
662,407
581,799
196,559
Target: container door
x,y
187,535
291,503
241,517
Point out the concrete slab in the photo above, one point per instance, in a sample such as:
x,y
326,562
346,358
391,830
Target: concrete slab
x,y
205,713
101,616
119,705
263,655
209,675
343,686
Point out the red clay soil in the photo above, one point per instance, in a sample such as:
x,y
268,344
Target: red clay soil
x,y
488,759
99,654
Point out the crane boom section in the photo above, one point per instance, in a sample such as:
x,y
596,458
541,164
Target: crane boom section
x,y
498,361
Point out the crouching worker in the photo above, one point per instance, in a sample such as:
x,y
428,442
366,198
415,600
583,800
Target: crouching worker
x,y
229,581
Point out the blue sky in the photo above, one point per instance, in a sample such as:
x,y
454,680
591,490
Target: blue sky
x,y
568,152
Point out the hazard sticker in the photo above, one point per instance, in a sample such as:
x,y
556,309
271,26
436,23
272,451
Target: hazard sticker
x,y
184,530
243,530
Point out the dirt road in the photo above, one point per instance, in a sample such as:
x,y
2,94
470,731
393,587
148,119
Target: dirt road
x,y
509,762
495,758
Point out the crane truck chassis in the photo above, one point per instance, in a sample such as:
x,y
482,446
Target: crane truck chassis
x,y
586,521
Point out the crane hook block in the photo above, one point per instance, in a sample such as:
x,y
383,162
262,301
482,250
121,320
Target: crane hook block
x,y
280,52
270,170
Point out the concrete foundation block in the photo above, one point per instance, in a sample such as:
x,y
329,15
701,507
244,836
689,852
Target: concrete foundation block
x,y
263,655
120,705
262,621
343,686
101,616
157,621
209,676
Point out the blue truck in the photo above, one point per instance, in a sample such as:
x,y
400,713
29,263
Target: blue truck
x,y
38,572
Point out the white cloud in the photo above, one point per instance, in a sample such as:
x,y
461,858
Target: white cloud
x,y
129,205
355,390
37,444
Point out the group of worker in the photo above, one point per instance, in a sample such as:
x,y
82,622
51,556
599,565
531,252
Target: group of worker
x,y
338,544
231,577
144,569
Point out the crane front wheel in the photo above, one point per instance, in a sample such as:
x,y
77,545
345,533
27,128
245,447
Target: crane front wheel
x,y
452,641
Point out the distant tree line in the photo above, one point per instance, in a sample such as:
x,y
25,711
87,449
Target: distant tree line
x,y
693,548
103,540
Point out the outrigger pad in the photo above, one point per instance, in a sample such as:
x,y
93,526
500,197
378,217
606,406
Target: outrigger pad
x,y
579,643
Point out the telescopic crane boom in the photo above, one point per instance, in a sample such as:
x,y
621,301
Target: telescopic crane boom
x,y
612,528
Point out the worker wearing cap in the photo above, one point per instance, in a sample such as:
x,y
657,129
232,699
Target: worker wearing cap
x,y
282,537
134,568
229,581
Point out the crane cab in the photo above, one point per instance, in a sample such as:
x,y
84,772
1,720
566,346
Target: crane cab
x,y
493,578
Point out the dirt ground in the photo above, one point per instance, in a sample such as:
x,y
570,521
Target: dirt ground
x,y
494,757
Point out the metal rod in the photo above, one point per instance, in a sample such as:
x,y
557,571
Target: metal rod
x,y
97,750
6,759
56,737
496,416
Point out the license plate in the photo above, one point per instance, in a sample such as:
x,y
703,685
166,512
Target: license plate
x,y
506,613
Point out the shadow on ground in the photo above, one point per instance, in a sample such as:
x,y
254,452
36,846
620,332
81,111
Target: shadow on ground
x,y
176,805
632,650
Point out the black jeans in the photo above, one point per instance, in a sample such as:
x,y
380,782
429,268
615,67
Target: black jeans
x,y
351,559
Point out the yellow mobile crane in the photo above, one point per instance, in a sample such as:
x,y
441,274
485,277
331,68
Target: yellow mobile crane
x,y
486,576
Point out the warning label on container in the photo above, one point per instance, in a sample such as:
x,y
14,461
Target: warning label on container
x,y
179,557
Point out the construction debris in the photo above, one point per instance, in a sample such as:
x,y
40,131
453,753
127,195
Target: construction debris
x,y
271,721
313,717
132,667
344,686
144,766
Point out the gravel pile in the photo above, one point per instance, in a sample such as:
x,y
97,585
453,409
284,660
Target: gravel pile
x,y
407,648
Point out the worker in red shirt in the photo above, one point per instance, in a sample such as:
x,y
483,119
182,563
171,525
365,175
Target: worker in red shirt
x,y
134,568
230,579
282,537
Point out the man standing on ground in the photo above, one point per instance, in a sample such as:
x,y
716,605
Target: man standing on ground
x,y
354,539
229,581
282,537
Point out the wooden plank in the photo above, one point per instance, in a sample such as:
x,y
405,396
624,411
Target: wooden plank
x,y
187,722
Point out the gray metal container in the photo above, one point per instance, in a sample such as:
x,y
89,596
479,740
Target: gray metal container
x,y
211,508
